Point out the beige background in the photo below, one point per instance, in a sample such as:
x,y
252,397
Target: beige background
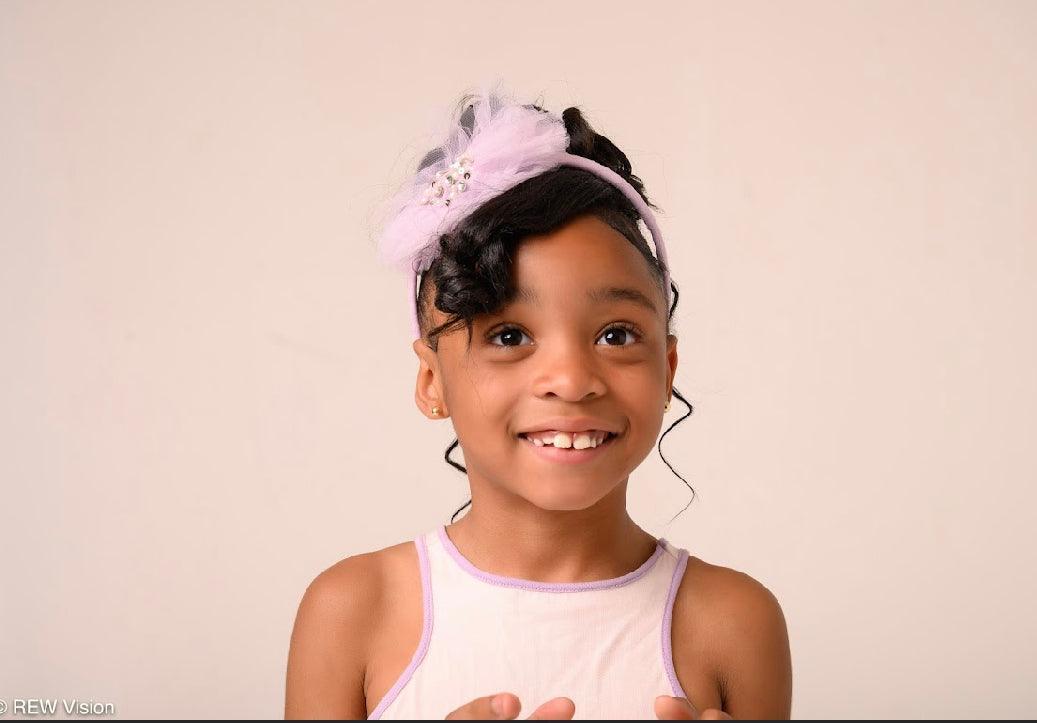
x,y
206,386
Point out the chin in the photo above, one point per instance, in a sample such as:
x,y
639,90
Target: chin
x,y
558,499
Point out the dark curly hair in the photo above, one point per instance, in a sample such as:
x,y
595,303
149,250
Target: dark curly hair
x,y
472,274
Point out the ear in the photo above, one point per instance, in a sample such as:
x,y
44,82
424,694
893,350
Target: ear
x,y
428,391
671,361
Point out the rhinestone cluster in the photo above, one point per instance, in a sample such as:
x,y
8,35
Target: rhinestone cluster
x,y
449,182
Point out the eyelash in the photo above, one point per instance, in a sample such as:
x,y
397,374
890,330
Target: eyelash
x,y
625,325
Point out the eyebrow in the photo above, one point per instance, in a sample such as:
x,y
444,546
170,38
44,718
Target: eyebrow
x,y
600,295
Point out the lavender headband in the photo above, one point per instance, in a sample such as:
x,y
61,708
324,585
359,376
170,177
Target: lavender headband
x,y
503,145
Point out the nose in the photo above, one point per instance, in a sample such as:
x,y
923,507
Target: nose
x,y
568,371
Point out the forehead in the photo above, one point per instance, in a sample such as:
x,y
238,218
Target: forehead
x,y
584,254
579,263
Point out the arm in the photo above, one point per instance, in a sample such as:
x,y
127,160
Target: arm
x,y
328,652
755,663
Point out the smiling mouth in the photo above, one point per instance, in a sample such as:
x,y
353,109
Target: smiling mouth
x,y
609,437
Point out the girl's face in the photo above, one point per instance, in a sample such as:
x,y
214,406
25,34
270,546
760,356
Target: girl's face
x,y
585,337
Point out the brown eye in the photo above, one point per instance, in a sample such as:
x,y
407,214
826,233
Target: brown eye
x,y
510,335
621,333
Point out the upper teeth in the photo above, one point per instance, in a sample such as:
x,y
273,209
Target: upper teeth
x,y
576,440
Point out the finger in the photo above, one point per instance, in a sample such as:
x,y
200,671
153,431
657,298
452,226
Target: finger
x,y
715,714
555,709
501,706
669,708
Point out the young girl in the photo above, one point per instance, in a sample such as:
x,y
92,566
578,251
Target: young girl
x,y
542,325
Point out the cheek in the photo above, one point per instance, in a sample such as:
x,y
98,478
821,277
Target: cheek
x,y
639,387
642,397
482,411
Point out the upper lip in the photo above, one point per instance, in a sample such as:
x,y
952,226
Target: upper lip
x,y
570,424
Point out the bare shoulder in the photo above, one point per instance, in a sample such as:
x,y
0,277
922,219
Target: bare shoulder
x,y
729,629
338,616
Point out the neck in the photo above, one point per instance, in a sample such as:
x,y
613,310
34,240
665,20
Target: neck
x,y
508,536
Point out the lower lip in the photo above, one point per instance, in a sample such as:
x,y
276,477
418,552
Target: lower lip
x,y
569,456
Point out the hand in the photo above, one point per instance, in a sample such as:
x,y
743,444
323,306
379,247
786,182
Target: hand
x,y
508,706
669,708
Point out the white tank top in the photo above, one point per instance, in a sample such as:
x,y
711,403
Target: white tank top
x,y
605,644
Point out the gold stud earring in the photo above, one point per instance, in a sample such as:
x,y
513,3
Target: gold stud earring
x,y
667,407
435,411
